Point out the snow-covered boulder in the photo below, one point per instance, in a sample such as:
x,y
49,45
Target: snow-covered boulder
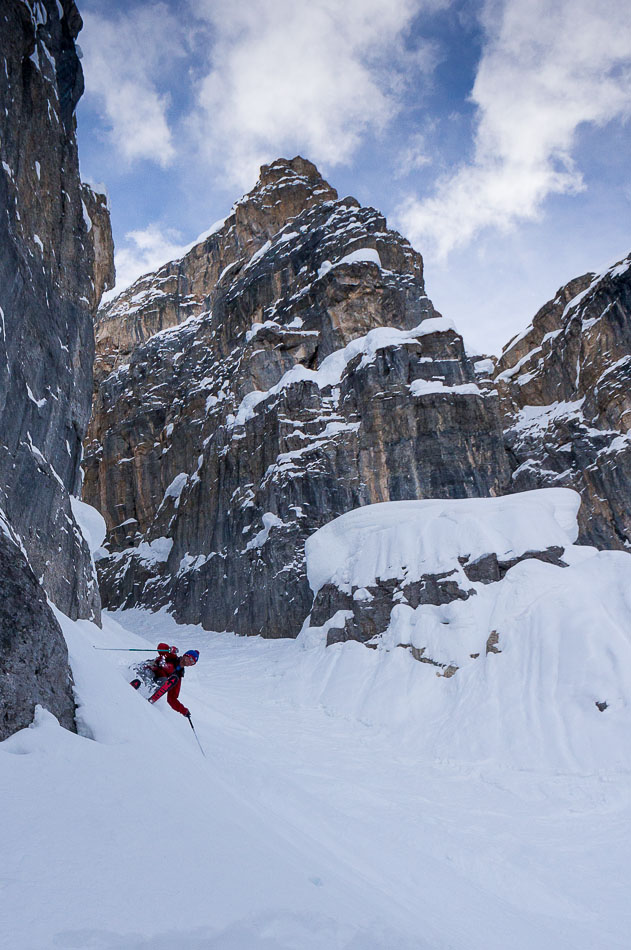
x,y
523,636
414,554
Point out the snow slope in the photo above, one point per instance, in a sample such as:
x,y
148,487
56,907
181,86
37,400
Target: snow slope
x,y
349,798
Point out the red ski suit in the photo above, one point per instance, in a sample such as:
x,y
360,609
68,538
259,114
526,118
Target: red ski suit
x,y
166,666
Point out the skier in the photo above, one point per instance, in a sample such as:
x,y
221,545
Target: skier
x,y
165,655
150,670
170,665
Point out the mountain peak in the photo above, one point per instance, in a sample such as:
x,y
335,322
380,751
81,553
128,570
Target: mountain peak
x,y
298,181
296,167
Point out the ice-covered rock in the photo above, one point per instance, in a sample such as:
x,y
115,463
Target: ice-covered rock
x,y
387,562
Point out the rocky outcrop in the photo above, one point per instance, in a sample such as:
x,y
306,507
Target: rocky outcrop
x,y
51,274
363,612
565,389
307,373
409,574
100,247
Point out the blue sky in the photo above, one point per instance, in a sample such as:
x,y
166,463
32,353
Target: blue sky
x,y
494,134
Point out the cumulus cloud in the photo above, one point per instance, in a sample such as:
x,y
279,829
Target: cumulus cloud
x,y
548,67
126,56
311,77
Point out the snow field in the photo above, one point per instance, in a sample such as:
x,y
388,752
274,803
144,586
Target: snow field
x,y
350,799
135,840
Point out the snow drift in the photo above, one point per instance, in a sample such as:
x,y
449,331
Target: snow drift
x,y
533,669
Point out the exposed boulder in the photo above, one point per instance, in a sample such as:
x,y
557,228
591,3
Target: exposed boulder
x,y
310,375
565,389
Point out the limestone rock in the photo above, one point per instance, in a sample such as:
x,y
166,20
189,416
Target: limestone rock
x,y
298,371
190,286
565,389
101,246
365,612
52,270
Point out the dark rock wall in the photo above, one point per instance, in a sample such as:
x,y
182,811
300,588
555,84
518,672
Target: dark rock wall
x,y
565,389
51,274
46,295
211,466
33,655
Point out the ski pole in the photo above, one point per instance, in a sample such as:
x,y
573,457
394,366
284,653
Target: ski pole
x,y
126,649
195,734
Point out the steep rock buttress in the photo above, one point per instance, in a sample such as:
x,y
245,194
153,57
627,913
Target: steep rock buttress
x,y
51,276
289,368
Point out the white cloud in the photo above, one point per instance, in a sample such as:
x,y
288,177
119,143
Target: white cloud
x,y
548,66
125,58
311,77
414,154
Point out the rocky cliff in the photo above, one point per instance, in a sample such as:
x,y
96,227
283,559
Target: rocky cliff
x,y
51,275
289,368
565,389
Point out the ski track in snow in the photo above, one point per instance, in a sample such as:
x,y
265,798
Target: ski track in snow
x,y
302,829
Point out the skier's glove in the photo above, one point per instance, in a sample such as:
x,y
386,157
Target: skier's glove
x,y
187,713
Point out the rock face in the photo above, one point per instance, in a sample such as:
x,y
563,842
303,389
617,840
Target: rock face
x,y
565,389
306,374
191,285
33,669
47,286
51,274
101,246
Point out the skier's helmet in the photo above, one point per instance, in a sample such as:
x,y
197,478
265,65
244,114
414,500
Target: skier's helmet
x,y
163,648
193,657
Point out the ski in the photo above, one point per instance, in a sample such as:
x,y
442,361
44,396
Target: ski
x,y
163,688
